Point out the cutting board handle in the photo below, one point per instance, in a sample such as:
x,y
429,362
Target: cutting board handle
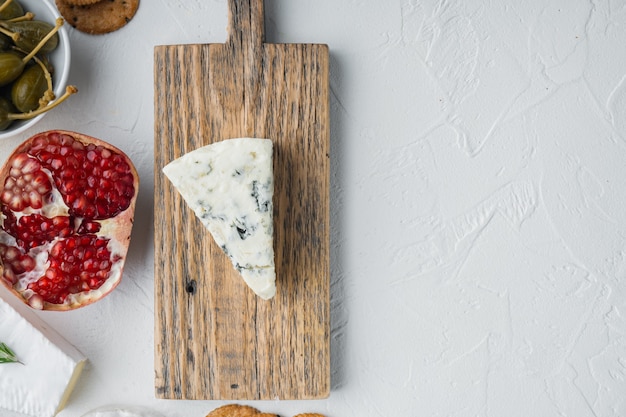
x,y
246,23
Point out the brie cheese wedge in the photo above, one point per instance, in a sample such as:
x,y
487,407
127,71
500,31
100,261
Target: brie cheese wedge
x,y
50,366
229,185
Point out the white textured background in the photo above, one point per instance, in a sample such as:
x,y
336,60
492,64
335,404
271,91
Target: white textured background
x,y
478,192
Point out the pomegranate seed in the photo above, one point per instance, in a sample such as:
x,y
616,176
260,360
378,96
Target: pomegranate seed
x,y
30,165
11,254
68,187
35,199
9,276
91,156
19,160
38,143
36,302
88,227
77,145
56,164
64,139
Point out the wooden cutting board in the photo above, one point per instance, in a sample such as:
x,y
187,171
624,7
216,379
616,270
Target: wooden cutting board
x,y
214,338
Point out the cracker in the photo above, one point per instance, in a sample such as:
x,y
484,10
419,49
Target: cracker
x,y
99,18
236,410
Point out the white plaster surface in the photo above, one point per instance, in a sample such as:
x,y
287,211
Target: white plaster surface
x,y
478,193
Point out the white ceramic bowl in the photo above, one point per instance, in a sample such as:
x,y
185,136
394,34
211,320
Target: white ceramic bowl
x,y
59,58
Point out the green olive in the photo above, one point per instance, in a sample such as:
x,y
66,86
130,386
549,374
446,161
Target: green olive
x,y
29,88
31,32
11,11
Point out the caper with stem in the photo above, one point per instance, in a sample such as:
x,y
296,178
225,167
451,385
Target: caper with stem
x,y
27,16
30,33
12,65
11,9
7,116
33,88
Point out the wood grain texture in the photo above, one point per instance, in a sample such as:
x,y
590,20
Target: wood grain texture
x,y
214,339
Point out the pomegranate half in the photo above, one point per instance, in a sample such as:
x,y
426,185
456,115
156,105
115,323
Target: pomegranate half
x,y
67,205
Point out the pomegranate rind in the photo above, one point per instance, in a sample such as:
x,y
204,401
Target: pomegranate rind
x,y
118,229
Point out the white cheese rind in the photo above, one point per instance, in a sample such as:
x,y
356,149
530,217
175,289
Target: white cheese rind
x,y
229,185
42,383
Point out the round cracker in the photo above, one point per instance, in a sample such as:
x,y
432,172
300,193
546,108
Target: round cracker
x,y
99,18
80,2
236,410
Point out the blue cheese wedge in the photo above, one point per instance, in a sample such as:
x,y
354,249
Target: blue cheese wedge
x,y
49,366
229,185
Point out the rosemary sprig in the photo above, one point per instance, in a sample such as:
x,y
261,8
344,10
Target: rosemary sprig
x,y
7,355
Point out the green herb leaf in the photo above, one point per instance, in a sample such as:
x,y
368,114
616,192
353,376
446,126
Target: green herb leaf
x,y
7,355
